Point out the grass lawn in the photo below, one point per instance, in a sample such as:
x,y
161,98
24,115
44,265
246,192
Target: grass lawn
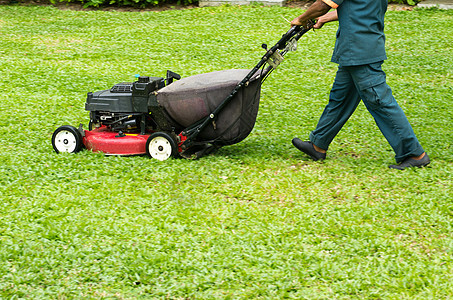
x,y
254,220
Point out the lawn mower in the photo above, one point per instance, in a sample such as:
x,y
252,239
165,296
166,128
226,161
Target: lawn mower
x,y
170,117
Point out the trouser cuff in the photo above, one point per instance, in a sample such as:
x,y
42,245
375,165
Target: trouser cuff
x,y
318,142
417,152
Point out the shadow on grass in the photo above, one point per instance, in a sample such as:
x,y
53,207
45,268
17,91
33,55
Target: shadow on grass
x,y
259,149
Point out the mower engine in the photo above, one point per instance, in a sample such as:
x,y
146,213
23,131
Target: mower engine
x,y
127,107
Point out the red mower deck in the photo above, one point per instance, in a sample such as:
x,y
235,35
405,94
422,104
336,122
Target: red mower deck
x,y
113,143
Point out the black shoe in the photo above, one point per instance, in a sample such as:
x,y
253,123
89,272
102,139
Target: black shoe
x,y
308,148
411,163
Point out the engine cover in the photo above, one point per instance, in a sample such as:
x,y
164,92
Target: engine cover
x,y
125,97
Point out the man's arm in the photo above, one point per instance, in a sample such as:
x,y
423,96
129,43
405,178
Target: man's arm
x,y
316,10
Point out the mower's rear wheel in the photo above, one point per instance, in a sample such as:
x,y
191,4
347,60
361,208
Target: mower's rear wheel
x,y
67,139
161,146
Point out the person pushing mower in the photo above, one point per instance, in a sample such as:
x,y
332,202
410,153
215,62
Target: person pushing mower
x,y
359,52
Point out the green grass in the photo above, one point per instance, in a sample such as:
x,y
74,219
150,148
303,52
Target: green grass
x,y
254,220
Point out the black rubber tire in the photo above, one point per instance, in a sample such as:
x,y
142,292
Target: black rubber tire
x,y
67,138
161,146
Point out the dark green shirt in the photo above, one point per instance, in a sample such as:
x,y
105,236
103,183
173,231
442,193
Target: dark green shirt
x,y
360,36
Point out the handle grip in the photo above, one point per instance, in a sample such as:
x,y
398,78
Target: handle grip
x,y
295,31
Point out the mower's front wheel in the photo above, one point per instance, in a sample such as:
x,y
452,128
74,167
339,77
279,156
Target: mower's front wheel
x,y
161,146
67,139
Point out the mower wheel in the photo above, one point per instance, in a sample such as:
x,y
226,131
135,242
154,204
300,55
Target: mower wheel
x,y
67,139
161,146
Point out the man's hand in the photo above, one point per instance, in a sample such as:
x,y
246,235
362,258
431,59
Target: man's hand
x,y
317,9
318,24
329,17
298,21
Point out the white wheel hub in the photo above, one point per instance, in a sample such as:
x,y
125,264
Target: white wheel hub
x,y
65,141
160,148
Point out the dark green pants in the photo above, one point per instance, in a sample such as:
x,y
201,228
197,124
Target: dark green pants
x,y
366,83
